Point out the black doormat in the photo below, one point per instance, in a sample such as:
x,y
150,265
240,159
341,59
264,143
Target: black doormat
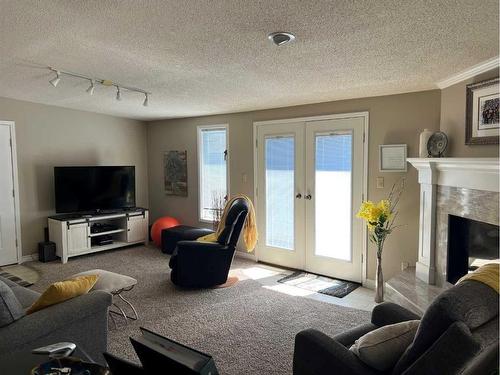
x,y
320,284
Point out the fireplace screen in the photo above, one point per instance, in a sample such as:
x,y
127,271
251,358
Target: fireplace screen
x,y
471,244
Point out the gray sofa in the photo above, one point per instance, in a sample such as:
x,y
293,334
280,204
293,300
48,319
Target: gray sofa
x,y
82,320
458,334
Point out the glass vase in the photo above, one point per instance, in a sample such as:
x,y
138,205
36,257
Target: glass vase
x,y
379,281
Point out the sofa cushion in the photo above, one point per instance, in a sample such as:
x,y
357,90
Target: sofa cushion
x,y
62,291
382,347
10,308
348,337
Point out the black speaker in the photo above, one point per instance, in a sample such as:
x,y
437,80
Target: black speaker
x,y
46,251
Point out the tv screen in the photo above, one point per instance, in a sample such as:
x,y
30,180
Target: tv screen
x,y
94,188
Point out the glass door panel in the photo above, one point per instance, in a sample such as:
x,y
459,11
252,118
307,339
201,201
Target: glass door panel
x,y
334,187
280,186
333,180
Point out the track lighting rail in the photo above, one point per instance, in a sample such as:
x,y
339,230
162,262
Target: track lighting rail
x,y
104,82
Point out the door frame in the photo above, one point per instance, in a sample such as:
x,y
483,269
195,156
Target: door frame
x,y
366,117
15,173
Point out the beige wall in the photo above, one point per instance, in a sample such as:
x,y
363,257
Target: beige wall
x,y
50,136
453,120
393,119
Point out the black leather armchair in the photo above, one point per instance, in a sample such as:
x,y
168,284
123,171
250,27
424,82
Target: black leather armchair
x,y
206,264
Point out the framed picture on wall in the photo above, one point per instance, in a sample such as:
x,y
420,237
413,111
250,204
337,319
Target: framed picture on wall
x,y
392,158
175,173
482,121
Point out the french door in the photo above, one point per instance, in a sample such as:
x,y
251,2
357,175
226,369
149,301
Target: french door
x,y
309,187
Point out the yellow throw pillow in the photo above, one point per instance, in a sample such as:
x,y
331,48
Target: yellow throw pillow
x,y
62,291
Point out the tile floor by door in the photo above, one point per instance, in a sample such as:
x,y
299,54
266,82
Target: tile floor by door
x,y
361,298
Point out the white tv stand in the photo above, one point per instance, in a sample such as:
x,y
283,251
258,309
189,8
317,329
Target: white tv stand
x,y
73,236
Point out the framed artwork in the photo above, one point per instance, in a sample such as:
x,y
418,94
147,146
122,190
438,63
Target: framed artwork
x,y
482,121
175,169
392,158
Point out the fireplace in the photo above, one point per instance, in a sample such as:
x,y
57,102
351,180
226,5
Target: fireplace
x,y
471,243
458,227
459,187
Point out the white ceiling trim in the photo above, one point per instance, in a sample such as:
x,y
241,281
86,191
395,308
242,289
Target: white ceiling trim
x,y
469,73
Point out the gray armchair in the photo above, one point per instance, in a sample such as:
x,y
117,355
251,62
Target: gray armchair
x,y
81,320
458,334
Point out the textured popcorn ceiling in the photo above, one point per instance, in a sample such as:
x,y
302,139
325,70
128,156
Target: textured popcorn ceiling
x,y
207,57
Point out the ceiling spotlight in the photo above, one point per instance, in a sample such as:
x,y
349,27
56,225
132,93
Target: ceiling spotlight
x,y
90,90
281,37
55,81
118,93
146,100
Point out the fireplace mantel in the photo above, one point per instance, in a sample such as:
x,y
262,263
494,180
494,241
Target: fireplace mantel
x,y
467,173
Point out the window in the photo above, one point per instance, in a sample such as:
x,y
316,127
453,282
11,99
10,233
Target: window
x,y
213,171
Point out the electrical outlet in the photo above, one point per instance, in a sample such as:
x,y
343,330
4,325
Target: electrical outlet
x,y
380,182
244,178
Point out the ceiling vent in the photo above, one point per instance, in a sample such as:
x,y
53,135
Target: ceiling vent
x,y
280,38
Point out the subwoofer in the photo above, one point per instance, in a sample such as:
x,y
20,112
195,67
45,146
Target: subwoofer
x,y
46,251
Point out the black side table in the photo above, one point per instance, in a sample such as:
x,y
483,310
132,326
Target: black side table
x,y
21,363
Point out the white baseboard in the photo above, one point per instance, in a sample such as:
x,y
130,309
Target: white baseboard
x,y
369,283
244,255
29,258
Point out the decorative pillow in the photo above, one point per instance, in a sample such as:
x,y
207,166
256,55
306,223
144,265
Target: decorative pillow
x,y
382,347
62,291
10,307
109,281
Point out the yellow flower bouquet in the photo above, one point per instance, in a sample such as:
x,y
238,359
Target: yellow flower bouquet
x,y
380,219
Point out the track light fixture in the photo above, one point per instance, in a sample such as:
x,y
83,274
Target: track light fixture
x,y
55,81
93,81
90,90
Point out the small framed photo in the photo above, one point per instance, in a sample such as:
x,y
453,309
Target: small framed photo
x,y
482,119
392,158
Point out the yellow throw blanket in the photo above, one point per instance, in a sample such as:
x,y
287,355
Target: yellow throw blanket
x,y
250,234
487,274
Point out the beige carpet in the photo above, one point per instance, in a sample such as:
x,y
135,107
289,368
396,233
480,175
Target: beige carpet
x,y
247,328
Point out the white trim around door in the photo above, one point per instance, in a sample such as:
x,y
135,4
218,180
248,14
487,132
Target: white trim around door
x,y
12,128
365,117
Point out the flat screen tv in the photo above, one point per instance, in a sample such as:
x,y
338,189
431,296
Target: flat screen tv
x,y
90,189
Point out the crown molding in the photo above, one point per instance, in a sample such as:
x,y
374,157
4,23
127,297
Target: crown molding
x,y
469,73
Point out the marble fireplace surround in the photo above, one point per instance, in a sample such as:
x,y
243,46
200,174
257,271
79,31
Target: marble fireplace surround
x,y
465,187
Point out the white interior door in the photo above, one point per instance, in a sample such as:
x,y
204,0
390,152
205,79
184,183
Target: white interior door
x,y
8,247
280,184
310,183
334,192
